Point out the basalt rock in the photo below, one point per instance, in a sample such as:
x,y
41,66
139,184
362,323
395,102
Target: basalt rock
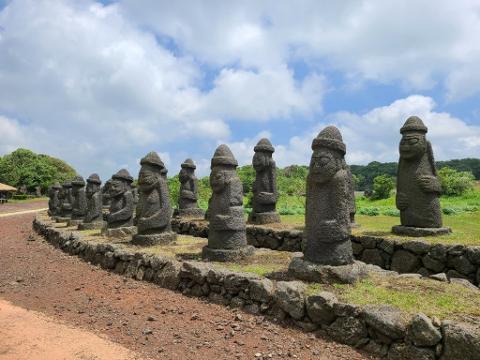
x,y
54,203
187,201
264,188
154,212
66,201
94,217
79,206
418,185
227,232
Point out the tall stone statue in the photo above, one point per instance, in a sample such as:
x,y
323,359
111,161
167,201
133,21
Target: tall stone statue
x,y
187,200
120,217
418,186
327,249
54,204
94,216
66,200
264,188
227,232
153,210
79,206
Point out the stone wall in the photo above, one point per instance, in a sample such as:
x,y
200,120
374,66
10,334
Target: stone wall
x,y
378,329
408,256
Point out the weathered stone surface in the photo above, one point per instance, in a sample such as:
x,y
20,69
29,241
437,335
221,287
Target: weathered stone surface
x,y
264,187
120,232
433,264
439,277
188,197
461,341
153,212
54,203
79,206
261,290
418,186
405,352
320,307
121,200
387,320
348,330
327,274
405,262
66,200
473,254
227,236
373,256
420,232
169,275
327,217
438,252
461,264
416,246
464,282
290,296
422,332
94,215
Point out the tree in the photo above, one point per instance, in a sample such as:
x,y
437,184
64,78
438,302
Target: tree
x,y
24,167
456,183
383,186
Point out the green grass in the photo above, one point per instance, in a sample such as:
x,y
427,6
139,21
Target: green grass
x,y
26,201
430,297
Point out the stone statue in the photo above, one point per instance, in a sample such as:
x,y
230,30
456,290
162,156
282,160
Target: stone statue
x,y
66,200
352,205
94,216
327,248
120,217
418,186
264,188
187,200
79,206
153,210
54,204
106,194
227,232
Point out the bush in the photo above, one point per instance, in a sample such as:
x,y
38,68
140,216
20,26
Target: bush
x,y
455,183
391,212
382,187
451,211
369,211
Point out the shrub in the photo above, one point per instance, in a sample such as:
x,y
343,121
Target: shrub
x,y
451,211
391,212
455,183
369,211
382,187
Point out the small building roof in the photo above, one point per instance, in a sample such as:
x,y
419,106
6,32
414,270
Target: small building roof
x,y
5,187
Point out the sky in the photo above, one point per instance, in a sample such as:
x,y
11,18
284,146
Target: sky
x,y
101,84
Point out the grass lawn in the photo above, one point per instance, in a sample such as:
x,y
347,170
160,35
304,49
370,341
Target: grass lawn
x,y
26,201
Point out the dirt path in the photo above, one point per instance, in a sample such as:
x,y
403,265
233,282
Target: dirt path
x,y
28,335
26,206
142,317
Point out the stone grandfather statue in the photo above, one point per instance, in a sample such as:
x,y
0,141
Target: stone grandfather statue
x,y
94,216
54,202
187,200
120,217
66,200
264,188
79,206
418,186
227,231
106,194
153,210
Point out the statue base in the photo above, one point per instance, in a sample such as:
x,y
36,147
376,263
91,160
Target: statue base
x,y
420,232
74,222
225,255
120,232
327,274
61,219
91,225
195,213
263,218
163,238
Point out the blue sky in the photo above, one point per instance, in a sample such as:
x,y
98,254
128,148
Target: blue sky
x,y
100,84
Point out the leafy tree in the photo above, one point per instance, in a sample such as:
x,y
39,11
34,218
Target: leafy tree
x,y
247,177
383,186
174,190
455,183
24,167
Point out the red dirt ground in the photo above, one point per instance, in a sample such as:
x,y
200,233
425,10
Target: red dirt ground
x,y
144,318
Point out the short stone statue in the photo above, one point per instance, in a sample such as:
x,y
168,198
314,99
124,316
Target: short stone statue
x,y
187,200
54,204
79,206
227,231
418,186
94,216
66,200
327,248
153,210
120,216
264,188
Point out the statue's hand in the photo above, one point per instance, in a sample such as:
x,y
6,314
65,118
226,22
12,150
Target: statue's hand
x,y
429,183
402,201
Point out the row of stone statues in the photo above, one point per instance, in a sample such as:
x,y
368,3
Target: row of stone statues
x,y
330,199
